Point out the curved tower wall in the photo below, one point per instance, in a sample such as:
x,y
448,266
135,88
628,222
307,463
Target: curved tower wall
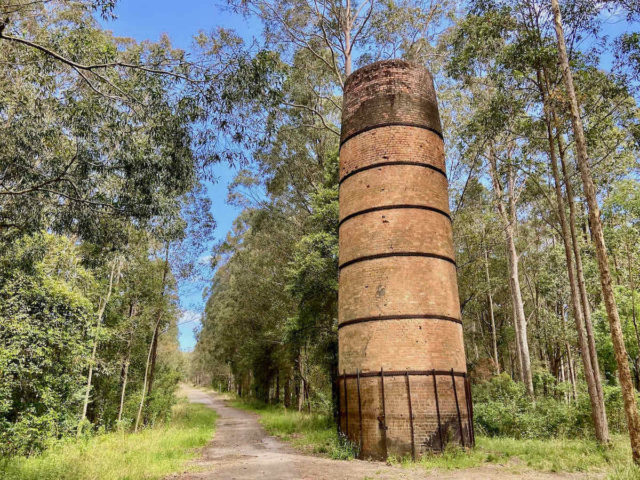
x,y
403,385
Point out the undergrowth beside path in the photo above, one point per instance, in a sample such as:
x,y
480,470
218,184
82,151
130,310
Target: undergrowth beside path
x,y
150,454
316,433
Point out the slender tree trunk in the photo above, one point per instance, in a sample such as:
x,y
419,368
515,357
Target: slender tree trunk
x,y
509,220
572,376
125,366
624,373
474,329
347,39
584,300
598,412
115,266
125,373
287,392
156,333
301,396
146,375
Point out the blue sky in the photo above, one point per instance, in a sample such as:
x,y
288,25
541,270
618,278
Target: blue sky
x,y
148,20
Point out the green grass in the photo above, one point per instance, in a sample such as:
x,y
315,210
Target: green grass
x,y
550,455
316,433
149,454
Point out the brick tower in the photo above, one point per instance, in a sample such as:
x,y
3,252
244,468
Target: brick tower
x,y
403,382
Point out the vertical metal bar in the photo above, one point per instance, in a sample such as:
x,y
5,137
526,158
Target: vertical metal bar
x,y
413,446
470,413
359,408
346,403
435,391
384,416
339,406
467,394
455,394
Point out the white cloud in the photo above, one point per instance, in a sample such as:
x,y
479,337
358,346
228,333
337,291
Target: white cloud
x,y
205,260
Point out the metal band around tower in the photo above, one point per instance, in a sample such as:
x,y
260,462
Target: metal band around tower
x,y
389,164
397,254
393,207
383,318
390,124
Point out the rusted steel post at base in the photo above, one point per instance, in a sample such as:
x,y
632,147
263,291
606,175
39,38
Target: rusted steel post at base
x,y
346,405
413,440
435,394
359,409
455,394
384,414
398,305
472,433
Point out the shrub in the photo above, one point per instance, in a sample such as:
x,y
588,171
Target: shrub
x,y
503,408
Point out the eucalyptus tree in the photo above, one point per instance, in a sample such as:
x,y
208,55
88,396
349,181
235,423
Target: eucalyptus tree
x,y
85,134
514,40
624,374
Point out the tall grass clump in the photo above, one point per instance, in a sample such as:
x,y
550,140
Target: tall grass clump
x,y
150,454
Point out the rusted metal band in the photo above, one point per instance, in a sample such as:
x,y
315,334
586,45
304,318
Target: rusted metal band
x,y
426,316
388,164
394,207
402,373
346,402
391,124
455,395
377,256
384,415
359,411
435,391
413,441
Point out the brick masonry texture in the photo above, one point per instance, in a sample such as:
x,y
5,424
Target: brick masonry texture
x,y
389,92
398,286
393,185
399,230
391,144
397,268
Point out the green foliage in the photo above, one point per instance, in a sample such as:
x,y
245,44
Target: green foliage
x,y
87,149
45,312
150,454
503,409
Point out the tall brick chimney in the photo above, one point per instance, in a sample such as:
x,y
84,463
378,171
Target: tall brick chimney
x,y
403,381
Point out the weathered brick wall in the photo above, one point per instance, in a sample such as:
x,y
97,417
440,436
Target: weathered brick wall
x,y
398,298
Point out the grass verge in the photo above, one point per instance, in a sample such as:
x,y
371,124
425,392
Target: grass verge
x,y
149,454
547,455
317,434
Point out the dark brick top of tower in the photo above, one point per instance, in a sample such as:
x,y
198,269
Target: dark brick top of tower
x,y
389,92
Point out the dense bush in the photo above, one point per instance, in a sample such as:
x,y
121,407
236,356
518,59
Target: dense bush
x,y
44,316
502,408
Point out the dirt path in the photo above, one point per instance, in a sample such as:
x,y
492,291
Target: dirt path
x,y
241,450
